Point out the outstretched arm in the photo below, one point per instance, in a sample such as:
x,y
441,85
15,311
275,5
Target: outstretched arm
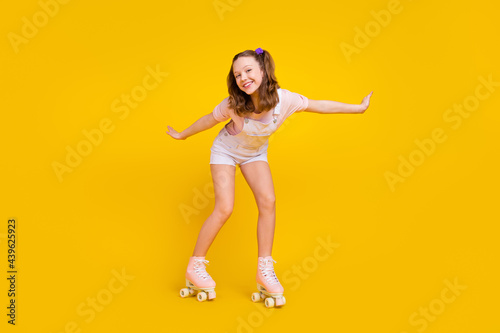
x,y
338,107
204,123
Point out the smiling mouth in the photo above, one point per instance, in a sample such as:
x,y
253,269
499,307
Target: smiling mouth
x,y
247,85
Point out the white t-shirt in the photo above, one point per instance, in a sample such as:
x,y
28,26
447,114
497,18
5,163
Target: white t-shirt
x,y
290,102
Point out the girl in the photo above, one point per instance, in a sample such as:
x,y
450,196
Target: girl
x,y
257,106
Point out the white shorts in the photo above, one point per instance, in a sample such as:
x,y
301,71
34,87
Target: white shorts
x,y
226,150
221,158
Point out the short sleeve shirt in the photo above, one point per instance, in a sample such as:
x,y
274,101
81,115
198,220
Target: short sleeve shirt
x,y
290,102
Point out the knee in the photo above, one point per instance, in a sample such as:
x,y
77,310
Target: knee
x,y
223,211
267,203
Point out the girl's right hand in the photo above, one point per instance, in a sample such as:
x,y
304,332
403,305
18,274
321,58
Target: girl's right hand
x,y
174,134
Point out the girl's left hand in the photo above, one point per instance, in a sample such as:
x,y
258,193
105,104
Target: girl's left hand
x,y
366,101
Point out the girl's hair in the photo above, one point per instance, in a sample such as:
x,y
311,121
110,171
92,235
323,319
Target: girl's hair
x,y
240,101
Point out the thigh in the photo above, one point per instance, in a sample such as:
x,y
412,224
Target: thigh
x,y
223,179
259,178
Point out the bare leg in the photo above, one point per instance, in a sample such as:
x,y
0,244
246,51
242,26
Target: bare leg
x,y
258,177
223,178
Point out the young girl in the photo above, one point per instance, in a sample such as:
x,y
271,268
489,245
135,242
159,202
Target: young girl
x,y
257,106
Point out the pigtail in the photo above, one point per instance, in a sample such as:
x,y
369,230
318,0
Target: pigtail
x,y
269,86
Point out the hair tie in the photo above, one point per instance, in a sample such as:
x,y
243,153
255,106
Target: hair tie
x,y
259,51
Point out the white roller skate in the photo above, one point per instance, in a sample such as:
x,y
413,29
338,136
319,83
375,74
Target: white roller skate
x,y
268,284
198,280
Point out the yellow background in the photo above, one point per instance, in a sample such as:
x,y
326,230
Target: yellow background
x,y
120,208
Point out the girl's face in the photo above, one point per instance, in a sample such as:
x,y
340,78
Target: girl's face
x,y
248,74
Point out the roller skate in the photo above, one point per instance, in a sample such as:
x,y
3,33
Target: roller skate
x,y
198,280
268,285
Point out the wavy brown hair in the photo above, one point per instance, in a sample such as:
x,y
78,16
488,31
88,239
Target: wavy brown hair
x,y
240,101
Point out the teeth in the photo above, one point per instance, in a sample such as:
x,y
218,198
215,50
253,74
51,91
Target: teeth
x,y
246,85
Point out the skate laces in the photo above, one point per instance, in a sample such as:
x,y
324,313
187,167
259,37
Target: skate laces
x,y
200,269
267,270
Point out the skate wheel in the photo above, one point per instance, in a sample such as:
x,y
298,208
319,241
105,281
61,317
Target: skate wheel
x,y
255,297
202,296
280,301
269,302
191,291
185,292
